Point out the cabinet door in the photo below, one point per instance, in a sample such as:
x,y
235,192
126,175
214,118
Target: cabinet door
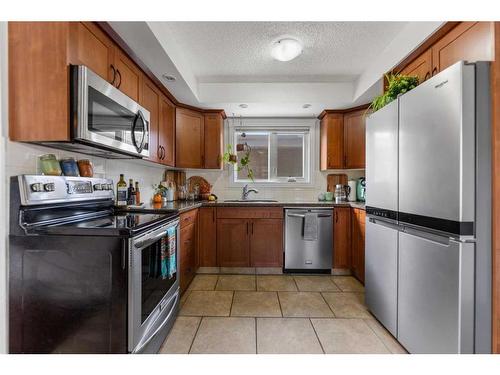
x,y
207,245
187,256
166,131
420,67
469,41
332,142
90,46
266,243
213,141
189,135
342,238
151,101
358,244
354,139
128,76
233,242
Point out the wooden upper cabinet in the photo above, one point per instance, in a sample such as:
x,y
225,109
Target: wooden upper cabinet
x,y
128,75
38,81
342,238
354,139
469,41
150,99
214,128
232,243
189,136
332,141
420,67
266,243
166,131
207,234
91,47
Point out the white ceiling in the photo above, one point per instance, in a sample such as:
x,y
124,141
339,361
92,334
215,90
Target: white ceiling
x,y
240,51
224,64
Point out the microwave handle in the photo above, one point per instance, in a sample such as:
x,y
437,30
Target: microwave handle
x,y
144,132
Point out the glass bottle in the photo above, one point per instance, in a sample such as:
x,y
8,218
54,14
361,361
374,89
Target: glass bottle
x,y
121,192
131,192
137,194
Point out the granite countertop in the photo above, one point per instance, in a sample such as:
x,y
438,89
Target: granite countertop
x,y
183,206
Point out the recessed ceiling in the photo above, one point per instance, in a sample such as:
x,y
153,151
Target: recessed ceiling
x,y
241,51
224,64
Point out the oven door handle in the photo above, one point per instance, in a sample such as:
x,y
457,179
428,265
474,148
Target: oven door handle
x,y
167,318
150,240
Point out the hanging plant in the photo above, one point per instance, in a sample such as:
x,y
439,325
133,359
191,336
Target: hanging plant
x,y
244,162
397,84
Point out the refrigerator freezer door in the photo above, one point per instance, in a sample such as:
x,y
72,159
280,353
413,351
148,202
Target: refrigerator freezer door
x,y
435,294
437,151
382,158
381,272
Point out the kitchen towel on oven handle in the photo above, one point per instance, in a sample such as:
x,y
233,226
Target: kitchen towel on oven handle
x,y
169,261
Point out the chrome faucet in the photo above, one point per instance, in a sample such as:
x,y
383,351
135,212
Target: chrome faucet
x,y
246,191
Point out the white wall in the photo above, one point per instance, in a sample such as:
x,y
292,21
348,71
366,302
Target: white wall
x,y
3,189
221,180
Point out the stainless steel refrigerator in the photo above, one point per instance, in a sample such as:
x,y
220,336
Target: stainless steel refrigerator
x,y
428,230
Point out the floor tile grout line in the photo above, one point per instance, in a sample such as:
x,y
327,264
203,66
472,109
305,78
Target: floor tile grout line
x,y
232,301
324,299
256,338
194,336
378,337
317,337
279,302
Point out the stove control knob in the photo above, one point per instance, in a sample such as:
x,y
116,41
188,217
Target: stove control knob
x,y
36,187
97,187
49,187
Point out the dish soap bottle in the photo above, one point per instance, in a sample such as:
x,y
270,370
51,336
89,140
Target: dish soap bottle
x,y
121,192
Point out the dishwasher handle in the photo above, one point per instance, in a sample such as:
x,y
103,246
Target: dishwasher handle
x,y
303,216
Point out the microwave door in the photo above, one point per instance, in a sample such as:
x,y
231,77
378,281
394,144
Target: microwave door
x,y
108,118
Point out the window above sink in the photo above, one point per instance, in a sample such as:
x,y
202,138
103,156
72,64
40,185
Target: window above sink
x,y
280,153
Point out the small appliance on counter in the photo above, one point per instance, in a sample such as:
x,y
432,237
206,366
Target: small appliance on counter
x,y
352,196
361,189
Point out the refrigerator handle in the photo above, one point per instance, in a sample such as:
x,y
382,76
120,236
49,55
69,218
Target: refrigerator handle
x,y
432,237
384,223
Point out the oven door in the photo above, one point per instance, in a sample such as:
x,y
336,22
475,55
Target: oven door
x,y
153,286
106,117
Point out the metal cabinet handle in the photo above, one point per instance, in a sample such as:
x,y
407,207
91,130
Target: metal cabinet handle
x,y
427,76
247,227
120,76
252,227
336,217
158,152
434,71
114,74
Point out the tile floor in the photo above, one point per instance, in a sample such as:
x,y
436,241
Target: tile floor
x,y
276,314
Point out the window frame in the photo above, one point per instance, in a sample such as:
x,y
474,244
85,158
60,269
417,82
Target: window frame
x,y
305,126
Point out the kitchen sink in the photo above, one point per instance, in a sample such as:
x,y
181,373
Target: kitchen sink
x,y
250,200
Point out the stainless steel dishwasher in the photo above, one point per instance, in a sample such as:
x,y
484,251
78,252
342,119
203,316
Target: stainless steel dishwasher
x,y
301,255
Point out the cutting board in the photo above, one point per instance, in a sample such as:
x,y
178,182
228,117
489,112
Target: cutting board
x,y
334,179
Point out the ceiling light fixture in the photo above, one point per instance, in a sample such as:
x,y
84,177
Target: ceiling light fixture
x,y
168,77
307,105
286,49
243,105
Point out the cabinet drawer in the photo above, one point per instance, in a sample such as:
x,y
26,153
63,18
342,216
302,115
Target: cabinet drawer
x,y
250,213
188,218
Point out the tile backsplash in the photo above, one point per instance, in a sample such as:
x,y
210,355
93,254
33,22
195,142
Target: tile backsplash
x,y
22,159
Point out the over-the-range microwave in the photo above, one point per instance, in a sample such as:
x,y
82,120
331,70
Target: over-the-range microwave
x,y
104,121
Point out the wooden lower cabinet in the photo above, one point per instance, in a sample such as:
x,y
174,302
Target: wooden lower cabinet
x,y
342,238
266,243
358,244
233,248
188,257
250,237
207,237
